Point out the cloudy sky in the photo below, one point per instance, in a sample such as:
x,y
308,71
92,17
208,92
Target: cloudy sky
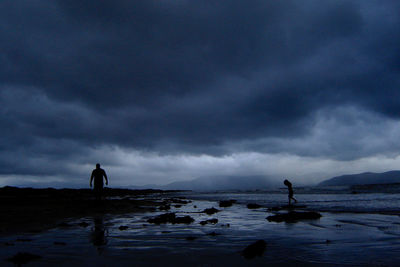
x,y
162,91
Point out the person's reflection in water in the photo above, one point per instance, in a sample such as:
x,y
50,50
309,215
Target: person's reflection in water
x,y
99,234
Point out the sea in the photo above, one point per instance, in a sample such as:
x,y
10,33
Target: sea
x,y
360,226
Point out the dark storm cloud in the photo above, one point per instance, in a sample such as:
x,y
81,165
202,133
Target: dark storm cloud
x,y
188,76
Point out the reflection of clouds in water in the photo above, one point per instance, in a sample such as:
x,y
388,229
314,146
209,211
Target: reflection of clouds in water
x,y
99,234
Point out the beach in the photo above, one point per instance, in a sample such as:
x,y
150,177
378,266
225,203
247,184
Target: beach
x,y
110,237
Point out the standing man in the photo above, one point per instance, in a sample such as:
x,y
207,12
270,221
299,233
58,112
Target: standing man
x,y
98,175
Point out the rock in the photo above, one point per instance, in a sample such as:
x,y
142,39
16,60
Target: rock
x,y
210,211
170,218
287,207
178,201
64,225
83,224
253,206
213,221
23,258
225,225
255,249
213,234
294,216
123,227
226,203
24,240
8,244
185,219
191,238
59,243
178,206
195,206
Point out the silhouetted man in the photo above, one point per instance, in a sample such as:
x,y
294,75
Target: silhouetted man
x,y
290,196
98,175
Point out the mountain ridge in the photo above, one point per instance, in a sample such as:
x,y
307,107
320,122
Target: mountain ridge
x,y
389,177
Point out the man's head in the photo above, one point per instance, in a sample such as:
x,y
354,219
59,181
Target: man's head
x,y
98,166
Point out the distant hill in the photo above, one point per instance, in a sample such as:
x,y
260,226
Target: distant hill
x,y
364,178
221,183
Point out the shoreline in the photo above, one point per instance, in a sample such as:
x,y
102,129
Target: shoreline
x,y
32,210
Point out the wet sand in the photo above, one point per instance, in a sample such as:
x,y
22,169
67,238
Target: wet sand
x,y
105,238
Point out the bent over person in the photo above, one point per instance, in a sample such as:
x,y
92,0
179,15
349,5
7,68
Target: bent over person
x,y
97,175
290,189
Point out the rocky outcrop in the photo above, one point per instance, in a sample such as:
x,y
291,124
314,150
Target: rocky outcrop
x,y
294,216
254,250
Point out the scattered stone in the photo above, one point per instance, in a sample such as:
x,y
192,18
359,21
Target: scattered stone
x,y
24,240
64,224
213,234
178,201
59,243
170,218
210,211
83,224
253,206
195,206
255,249
123,227
225,225
338,225
213,221
294,216
191,238
226,203
23,258
287,207
178,206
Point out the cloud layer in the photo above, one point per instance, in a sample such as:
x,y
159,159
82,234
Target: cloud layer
x,y
195,80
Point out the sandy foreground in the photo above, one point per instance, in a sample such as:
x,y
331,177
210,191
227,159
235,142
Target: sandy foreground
x,y
68,227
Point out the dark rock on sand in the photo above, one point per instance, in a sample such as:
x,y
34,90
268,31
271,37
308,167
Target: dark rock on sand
x,y
83,224
59,243
294,216
213,234
255,249
287,207
226,203
64,225
170,218
253,206
178,201
24,240
210,211
212,221
23,258
178,206
123,227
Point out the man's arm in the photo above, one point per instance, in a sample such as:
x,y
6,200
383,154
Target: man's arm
x,y
105,177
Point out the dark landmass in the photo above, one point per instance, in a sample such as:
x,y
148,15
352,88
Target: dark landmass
x,y
218,183
389,177
34,210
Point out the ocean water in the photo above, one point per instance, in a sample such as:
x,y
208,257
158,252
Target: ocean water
x,y
352,232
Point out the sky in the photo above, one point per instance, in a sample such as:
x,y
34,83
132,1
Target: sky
x,y
164,91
